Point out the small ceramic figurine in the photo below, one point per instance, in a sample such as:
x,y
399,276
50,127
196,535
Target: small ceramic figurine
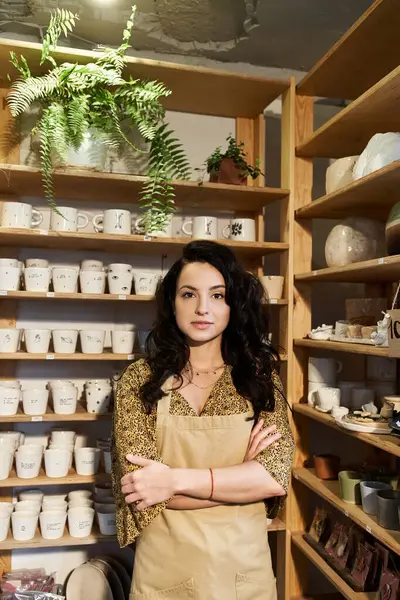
x,y
381,337
323,332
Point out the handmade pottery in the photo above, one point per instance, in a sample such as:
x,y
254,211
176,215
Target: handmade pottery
x,y
354,240
340,173
326,466
349,483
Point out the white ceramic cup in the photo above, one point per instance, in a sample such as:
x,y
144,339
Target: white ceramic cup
x,y
98,399
9,400
51,503
52,524
37,279
370,407
11,438
32,494
33,505
80,521
338,412
122,342
360,396
6,508
37,341
240,230
34,401
65,400
57,383
63,436
67,219
323,370
92,282
19,215
145,283
87,460
204,228
113,221
12,384
341,328
27,464
9,262
107,521
76,494
9,340
327,398
65,280
92,340
65,340
56,462
4,526
10,279
24,525
119,268
273,286
120,283
6,460
80,502
313,387
37,263
90,264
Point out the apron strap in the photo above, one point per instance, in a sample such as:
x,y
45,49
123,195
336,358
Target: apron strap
x,y
164,404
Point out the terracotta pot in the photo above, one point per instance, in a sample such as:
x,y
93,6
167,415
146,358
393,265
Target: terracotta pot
x,y
326,466
228,173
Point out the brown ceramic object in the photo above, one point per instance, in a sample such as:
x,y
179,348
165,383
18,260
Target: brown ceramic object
x,y
228,173
326,466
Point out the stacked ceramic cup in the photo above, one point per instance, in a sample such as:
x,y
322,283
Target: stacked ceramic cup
x,y
120,277
10,394
65,279
35,400
104,504
37,275
7,450
322,392
28,460
10,274
64,395
92,277
62,439
6,509
99,393
80,513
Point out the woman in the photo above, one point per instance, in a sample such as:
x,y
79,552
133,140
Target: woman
x,y
191,472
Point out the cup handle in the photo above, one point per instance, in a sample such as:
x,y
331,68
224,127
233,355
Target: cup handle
x,y
224,232
98,222
37,217
188,224
339,366
311,398
84,219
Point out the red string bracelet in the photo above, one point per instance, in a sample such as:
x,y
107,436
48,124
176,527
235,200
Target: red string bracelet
x,y
212,484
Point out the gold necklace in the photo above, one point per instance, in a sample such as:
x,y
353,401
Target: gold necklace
x,y
189,367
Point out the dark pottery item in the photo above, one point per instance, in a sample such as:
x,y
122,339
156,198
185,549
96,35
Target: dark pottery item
x,y
392,231
369,490
388,509
228,172
326,466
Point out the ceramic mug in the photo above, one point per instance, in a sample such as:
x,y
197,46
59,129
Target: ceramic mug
x,y
9,262
10,278
117,268
76,494
349,485
204,228
34,505
9,340
241,230
145,283
65,280
92,340
98,399
369,498
327,398
273,286
67,219
346,387
92,282
19,215
63,436
122,342
28,464
6,461
323,370
32,494
113,221
65,340
313,387
37,341
37,279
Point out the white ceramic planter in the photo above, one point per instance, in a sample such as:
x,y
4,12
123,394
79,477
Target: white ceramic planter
x,y
120,283
4,526
92,154
92,340
273,285
27,464
24,525
92,282
122,341
34,401
65,400
9,340
65,340
37,279
6,460
37,341
80,521
65,280
9,400
57,462
98,398
87,460
52,524
6,508
145,283
76,494
10,278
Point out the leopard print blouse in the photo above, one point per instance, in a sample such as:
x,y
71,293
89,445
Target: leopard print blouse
x,y
134,432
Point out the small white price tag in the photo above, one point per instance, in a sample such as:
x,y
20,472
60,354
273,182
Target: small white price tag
x,y
346,514
49,356
43,232
131,356
3,292
147,238
315,273
368,528
36,419
381,261
121,297
50,294
273,301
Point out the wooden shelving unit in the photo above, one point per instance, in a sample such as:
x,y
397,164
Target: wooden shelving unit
x,y
194,90
42,480
67,541
369,74
50,416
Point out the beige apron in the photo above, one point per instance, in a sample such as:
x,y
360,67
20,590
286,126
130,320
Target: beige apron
x,y
219,553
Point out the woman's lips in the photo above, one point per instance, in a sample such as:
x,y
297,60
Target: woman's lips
x,y
201,324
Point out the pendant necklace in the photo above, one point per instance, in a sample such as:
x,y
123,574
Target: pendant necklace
x,y
189,367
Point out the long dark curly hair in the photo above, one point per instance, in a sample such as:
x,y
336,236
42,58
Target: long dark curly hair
x,y
245,345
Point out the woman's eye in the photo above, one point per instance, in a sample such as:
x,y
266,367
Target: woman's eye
x,y
187,295
218,296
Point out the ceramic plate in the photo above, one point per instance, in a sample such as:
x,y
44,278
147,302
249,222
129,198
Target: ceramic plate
x,y
112,577
87,581
124,577
362,428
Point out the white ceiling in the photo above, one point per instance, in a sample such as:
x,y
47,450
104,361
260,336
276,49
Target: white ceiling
x,y
291,34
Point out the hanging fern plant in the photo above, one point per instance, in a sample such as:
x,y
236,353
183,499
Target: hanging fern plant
x,y
77,100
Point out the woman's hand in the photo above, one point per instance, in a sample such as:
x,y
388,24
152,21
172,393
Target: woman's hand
x,y
260,439
150,485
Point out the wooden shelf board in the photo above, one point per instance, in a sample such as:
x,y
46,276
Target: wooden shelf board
x,y
330,574
76,184
77,356
387,443
385,269
349,131
329,491
31,238
350,347
24,295
71,479
194,89
372,196
354,63
81,414
66,541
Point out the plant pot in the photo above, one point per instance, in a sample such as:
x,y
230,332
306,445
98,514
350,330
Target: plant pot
x,y
228,172
326,466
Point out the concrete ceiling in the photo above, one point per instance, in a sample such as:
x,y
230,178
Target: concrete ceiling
x,y
290,34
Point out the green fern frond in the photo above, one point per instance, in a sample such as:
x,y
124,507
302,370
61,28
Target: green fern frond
x,y
61,21
24,92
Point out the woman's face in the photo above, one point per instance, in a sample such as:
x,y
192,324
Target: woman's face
x,y
200,308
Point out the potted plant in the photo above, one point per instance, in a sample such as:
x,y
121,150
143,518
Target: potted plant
x,y
231,166
73,101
